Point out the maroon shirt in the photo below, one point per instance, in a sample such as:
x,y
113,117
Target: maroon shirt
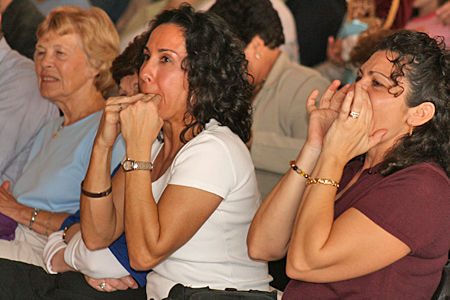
x,y
413,205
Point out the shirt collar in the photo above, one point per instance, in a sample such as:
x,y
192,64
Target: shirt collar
x,y
4,48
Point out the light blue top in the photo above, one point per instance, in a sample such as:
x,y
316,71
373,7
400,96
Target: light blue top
x,y
56,166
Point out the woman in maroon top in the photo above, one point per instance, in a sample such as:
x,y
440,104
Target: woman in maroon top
x,y
377,227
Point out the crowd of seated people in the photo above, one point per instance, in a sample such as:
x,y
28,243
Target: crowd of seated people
x,y
217,153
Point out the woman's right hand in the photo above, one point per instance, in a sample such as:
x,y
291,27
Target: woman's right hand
x,y
109,127
320,119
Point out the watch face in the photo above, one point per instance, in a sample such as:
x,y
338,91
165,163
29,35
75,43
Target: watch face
x,y
131,165
128,165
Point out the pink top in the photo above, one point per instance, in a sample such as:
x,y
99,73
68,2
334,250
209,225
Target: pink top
x,y
431,25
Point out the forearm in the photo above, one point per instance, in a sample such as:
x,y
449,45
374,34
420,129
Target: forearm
x,y
315,217
98,215
44,222
271,228
58,263
142,223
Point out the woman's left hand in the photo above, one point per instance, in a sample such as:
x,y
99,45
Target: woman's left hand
x,y
349,135
112,284
8,204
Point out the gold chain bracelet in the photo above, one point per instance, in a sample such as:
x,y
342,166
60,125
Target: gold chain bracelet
x,y
323,181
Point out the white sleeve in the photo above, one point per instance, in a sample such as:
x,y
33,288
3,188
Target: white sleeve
x,y
54,244
95,263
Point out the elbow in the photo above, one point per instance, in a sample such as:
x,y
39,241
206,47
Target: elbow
x,y
262,253
94,243
294,272
301,269
141,262
261,250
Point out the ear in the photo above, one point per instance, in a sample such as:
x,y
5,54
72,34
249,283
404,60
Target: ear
x,y
421,114
256,44
95,67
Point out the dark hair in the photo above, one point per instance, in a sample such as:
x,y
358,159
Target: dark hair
x,y
216,69
425,64
129,62
248,18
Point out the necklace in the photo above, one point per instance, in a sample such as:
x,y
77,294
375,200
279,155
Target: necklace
x,y
57,130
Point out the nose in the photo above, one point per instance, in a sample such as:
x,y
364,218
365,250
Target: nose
x,y
145,73
45,60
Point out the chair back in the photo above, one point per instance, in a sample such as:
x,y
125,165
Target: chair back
x,y
443,289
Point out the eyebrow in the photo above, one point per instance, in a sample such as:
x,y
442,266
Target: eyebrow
x,y
162,50
375,72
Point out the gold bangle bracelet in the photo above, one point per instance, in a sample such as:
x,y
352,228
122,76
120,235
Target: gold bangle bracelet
x,y
323,181
297,169
65,231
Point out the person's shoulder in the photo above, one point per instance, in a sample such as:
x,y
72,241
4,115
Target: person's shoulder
x,y
426,176
14,62
294,72
216,138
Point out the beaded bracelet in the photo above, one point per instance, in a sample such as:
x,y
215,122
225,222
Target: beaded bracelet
x,y
297,169
33,218
95,195
323,181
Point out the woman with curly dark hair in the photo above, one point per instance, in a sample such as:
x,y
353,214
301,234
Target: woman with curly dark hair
x,y
184,203
376,227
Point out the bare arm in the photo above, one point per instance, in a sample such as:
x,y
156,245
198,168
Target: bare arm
x,y
271,228
102,218
155,231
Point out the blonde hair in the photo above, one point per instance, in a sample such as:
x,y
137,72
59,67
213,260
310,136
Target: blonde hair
x,y
98,35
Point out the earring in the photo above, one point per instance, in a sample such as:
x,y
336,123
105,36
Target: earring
x,y
258,55
411,129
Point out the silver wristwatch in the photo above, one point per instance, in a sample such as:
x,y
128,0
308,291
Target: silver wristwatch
x,y
132,165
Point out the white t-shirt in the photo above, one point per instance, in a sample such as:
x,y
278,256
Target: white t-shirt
x,y
216,161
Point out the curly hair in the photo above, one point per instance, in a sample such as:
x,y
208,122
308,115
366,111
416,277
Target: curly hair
x,y
216,69
425,64
97,32
129,62
248,18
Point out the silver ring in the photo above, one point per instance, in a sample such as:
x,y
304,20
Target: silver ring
x,y
102,285
354,114
119,107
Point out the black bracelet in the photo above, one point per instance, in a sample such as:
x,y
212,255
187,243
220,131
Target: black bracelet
x,y
95,195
